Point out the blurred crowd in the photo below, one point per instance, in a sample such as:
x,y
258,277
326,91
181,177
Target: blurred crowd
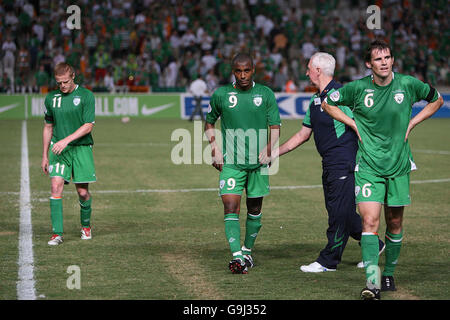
x,y
155,45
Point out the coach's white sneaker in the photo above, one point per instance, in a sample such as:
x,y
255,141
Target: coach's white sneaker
x,y
55,240
86,233
315,267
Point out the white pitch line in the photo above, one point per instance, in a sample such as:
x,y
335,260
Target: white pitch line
x,y
25,284
216,189
430,181
164,144
210,189
443,152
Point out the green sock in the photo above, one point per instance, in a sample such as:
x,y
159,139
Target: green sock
x,y
393,245
233,234
85,212
370,249
56,214
252,227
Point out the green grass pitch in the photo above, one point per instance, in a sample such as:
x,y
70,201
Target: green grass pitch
x,y
158,228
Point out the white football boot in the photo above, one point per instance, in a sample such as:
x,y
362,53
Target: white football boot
x,y
315,267
55,240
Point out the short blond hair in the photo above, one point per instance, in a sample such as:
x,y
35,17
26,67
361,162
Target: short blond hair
x,y
63,68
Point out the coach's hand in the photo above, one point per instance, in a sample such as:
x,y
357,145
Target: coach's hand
x,y
266,158
59,146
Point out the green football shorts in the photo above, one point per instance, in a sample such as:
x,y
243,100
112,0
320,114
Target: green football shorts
x,y
234,181
393,192
76,162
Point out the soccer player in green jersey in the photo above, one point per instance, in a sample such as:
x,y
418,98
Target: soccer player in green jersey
x,y
246,110
67,148
382,105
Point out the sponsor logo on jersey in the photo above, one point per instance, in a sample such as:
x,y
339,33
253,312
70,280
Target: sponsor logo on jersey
x,y
398,97
221,184
232,92
76,101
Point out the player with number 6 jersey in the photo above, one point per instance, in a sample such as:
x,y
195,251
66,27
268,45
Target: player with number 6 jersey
x,y
382,107
387,111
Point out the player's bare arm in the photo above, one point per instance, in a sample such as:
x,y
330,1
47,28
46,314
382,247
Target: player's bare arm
x,y
339,115
46,138
270,151
59,146
295,141
426,112
216,154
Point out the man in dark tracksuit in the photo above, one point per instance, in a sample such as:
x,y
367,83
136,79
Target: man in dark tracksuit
x,y
337,144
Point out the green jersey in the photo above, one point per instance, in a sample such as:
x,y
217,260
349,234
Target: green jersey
x,y
68,112
245,117
382,115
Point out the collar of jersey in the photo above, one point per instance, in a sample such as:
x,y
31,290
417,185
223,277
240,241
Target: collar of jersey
x,y
234,85
331,85
382,87
76,87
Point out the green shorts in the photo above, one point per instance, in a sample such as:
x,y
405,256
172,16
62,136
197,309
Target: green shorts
x,y
76,162
393,192
234,181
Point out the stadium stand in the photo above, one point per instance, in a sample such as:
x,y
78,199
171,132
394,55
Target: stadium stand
x,y
161,46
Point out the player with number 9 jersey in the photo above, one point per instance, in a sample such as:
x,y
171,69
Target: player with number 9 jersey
x,y
245,118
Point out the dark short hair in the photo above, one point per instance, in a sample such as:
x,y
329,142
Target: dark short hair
x,y
242,57
376,45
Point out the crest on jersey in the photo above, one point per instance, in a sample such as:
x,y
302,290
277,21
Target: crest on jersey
x,y
257,101
398,97
335,96
76,101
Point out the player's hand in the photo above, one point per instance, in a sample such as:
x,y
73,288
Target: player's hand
x,y
217,159
59,146
355,128
44,165
408,130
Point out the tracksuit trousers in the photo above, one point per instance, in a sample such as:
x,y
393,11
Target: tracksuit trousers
x,y
343,220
